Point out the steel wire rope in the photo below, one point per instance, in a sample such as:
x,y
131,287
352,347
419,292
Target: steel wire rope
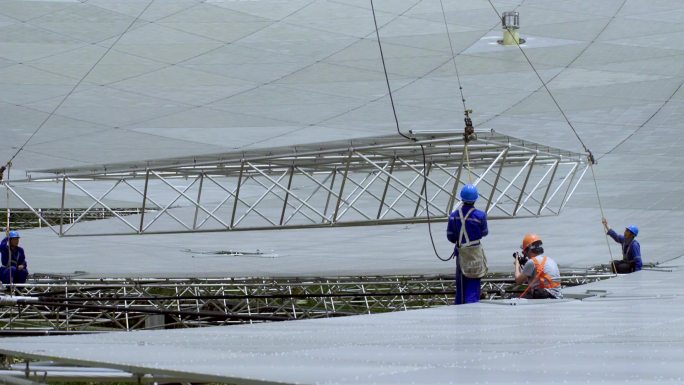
x,y
460,300
590,156
424,187
409,83
42,124
167,65
466,154
460,85
209,103
644,123
397,88
7,230
384,68
41,28
78,83
564,67
396,121
625,140
465,147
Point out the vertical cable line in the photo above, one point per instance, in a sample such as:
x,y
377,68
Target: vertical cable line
x,y
384,68
9,246
453,54
396,121
553,98
579,55
42,124
590,156
642,125
460,86
57,107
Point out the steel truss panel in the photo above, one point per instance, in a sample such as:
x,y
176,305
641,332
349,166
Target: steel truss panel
x,y
375,181
120,304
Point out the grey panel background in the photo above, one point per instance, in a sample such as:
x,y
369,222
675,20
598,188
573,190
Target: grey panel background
x,y
196,77
204,77
631,333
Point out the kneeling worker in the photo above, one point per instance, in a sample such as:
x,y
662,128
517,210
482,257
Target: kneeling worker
x,y
14,268
539,271
631,250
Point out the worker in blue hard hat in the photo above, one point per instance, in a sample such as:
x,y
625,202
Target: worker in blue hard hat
x,y
467,225
631,250
14,268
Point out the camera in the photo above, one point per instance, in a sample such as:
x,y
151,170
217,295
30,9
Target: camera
x,y
522,259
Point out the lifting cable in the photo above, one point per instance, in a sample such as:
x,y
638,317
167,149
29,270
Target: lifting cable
x,y
78,83
8,164
396,121
384,68
590,157
467,136
7,230
468,129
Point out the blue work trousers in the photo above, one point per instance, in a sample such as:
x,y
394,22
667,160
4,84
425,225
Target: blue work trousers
x,y
18,276
467,289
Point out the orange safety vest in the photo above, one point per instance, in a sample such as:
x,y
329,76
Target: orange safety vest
x,y
545,280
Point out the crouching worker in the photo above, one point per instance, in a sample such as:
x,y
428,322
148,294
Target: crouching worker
x,y
14,268
466,227
539,271
631,250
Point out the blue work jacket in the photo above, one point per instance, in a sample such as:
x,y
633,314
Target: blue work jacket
x,y
476,225
630,251
18,256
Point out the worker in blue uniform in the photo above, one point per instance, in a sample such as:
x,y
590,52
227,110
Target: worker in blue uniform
x,y
631,250
467,225
14,268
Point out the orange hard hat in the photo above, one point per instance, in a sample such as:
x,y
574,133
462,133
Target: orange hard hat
x,y
529,239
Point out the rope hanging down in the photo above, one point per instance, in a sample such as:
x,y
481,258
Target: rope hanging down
x,y
468,130
468,135
8,164
78,83
396,121
7,229
384,68
590,157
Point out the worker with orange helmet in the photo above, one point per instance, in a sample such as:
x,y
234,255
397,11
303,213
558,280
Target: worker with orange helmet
x,y
631,249
539,271
467,225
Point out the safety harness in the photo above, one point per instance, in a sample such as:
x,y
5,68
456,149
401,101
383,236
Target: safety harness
x,y
625,250
463,232
545,280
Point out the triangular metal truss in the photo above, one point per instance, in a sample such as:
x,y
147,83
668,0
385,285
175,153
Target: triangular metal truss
x,y
370,181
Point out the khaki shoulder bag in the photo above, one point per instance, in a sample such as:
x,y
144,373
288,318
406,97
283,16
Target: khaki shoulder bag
x,y
471,255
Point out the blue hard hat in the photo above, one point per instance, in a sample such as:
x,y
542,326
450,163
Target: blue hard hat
x,y
633,229
14,234
469,193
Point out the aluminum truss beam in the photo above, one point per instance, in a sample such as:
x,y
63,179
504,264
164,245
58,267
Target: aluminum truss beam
x,y
378,181
119,304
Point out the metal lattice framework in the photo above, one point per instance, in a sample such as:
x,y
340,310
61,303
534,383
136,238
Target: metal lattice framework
x,y
120,304
374,181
